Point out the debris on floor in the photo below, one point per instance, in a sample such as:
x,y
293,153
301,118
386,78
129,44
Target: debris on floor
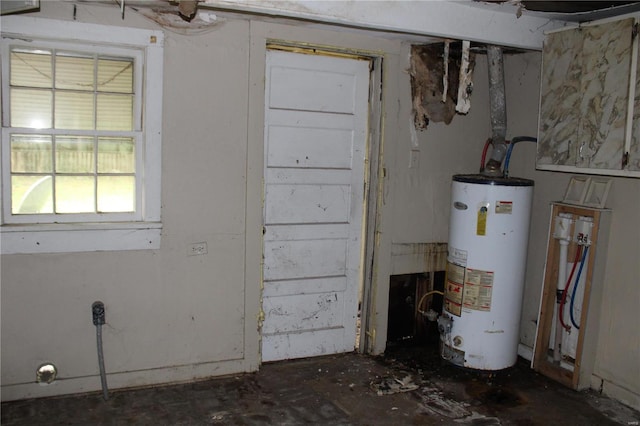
x,y
476,419
433,401
391,385
406,386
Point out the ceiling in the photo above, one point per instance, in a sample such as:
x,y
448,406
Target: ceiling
x,y
416,20
572,6
573,11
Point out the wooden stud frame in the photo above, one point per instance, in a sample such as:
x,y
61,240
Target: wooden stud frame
x,y
542,362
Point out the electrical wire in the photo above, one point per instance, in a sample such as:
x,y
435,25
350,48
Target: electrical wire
x,y
103,375
424,296
98,315
575,287
563,300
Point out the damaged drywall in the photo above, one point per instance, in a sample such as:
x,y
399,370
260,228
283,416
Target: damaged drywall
x,y
435,81
171,19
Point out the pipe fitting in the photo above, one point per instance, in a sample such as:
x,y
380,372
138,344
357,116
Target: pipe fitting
x,y
97,313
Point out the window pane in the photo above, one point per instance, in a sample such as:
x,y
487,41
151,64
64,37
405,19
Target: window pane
x,y
75,194
115,112
74,154
74,72
74,135
30,68
31,194
115,75
116,155
116,193
31,154
74,110
31,108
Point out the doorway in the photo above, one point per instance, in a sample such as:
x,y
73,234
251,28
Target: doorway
x,y
316,129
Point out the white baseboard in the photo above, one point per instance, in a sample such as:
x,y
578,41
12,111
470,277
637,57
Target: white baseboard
x,y
525,352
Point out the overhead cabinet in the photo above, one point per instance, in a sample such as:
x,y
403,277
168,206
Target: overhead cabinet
x,y
589,104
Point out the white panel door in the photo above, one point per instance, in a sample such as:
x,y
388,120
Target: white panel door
x,y
316,110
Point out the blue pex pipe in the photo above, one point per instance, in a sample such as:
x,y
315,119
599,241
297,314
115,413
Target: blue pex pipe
x,y
514,141
575,287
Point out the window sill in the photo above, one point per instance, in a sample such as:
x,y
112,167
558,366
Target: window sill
x,y
73,237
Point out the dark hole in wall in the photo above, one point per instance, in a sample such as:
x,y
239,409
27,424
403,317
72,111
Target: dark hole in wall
x,y
405,323
427,85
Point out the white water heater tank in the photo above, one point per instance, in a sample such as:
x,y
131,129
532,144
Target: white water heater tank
x,y
488,235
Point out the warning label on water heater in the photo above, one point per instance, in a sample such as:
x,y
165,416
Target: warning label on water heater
x,y
454,289
481,225
504,207
457,256
478,287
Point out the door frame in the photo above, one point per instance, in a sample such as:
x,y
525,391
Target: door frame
x,y
373,175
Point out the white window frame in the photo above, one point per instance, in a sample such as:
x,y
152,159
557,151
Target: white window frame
x,y
94,232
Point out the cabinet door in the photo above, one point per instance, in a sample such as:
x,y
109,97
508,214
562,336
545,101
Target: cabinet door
x,y
584,97
634,149
560,98
606,64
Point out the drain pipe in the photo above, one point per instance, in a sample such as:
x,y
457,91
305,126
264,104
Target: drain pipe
x,y
97,311
498,110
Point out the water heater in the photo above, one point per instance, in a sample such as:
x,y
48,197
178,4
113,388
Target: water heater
x,y
488,234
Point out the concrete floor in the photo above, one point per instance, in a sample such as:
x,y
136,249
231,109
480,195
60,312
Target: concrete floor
x,y
407,386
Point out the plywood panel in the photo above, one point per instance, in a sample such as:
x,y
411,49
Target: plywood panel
x,y
305,286
303,344
298,259
315,142
303,312
304,232
312,90
310,147
307,203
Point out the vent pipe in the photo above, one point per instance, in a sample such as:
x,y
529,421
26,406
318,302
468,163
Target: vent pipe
x,y
498,110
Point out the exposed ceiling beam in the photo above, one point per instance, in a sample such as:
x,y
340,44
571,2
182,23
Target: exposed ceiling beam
x,y
494,24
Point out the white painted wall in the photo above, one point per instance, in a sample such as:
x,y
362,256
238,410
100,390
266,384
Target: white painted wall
x,y
173,317
415,201
170,317
419,200
421,195
617,367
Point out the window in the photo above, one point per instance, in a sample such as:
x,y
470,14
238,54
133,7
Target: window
x,y
72,135
81,131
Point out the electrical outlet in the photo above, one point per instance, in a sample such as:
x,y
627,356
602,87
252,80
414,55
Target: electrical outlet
x,y
197,249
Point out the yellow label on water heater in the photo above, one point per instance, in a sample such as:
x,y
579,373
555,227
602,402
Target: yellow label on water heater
x,y
481,226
